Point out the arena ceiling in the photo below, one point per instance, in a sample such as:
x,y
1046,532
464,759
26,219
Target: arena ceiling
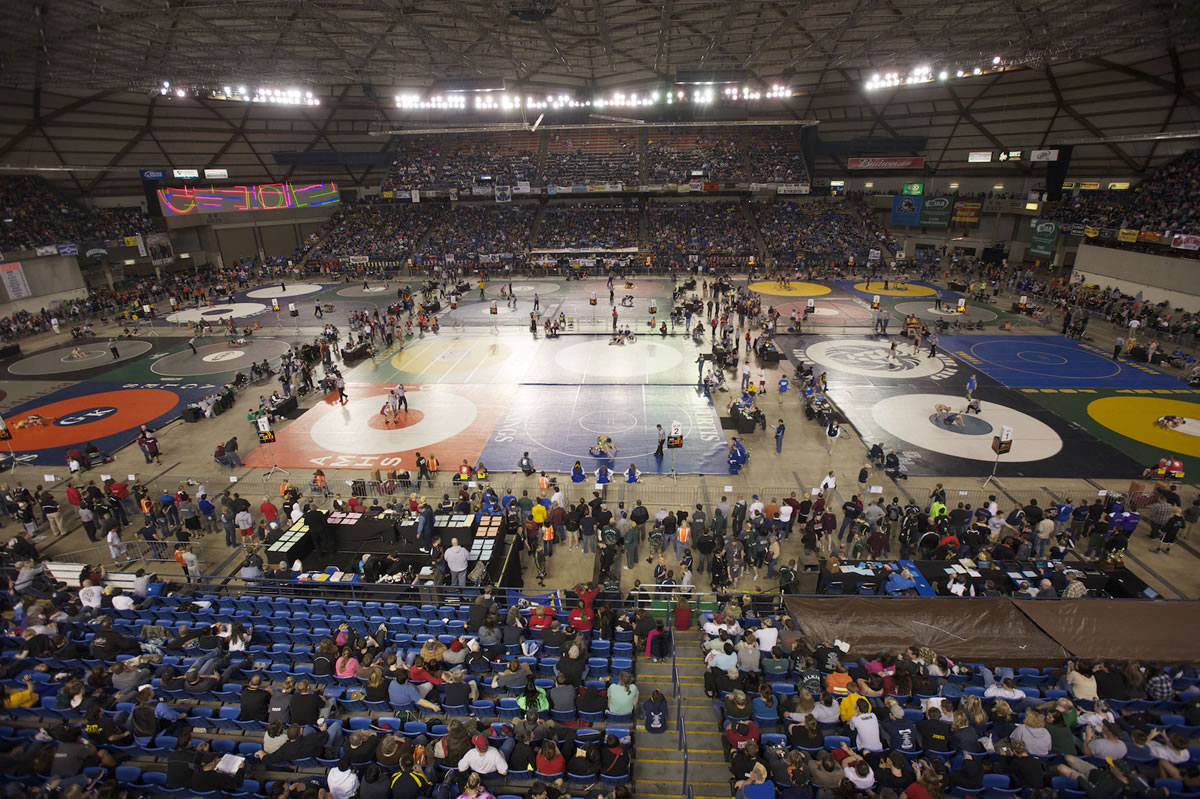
x,y
80,79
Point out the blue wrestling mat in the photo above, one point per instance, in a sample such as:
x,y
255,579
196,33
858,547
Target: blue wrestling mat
x,y
557,424
1052,362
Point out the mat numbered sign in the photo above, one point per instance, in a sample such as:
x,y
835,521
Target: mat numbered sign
x,y
5,433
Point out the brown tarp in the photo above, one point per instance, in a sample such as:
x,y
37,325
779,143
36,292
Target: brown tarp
x,y
1139,630
992,631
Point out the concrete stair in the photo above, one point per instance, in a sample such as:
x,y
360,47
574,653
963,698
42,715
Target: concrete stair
x,y
658,769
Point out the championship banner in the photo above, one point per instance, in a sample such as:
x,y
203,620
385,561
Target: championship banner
x,y
1152,236
481,191
696,185
906,210
503,194
161,251
793,188
68,248
1075,229
14,280
1181,241
764,187
453,192
522,187
356,260
49,249
1045,237
415,195
935,212
1125,234
885,163
1091,232
967,213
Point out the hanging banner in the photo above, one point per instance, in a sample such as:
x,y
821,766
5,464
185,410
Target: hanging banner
x,y
696,185
1091,232
453,192
1045,237
552,190
415,195
885,163
161,251
1182,241
14,280
906,210
966,213
522,187
1091,185
503,194
793,188
1152,236
68,248
141,245
1108,233
935,212
1126,234
49,249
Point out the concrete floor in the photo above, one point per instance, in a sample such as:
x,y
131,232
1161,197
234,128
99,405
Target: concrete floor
x,y
805,461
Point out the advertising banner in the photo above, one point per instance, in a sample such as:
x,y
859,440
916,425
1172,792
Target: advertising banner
x,y
68,248
1126,234
14,280
793,188
906,210
1091,232
966,213
1181,241
1152,236
503,194
1045,237
935,212
161,251
49,249
912,162
522,187
415,195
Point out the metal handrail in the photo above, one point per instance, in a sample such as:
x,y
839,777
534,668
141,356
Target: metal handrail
x,y
683,742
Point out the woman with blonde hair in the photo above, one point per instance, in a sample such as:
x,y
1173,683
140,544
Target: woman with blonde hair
x,y
1003,720
973,706
473,789
962,735
1033,733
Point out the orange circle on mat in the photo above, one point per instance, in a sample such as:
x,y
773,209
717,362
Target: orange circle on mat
x,y
134,407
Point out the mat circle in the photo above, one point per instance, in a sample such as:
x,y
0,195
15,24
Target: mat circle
x,y
923,310
625,452
524,291
827,312
971,425
598,358
908,290
1137,418
372,291
96,354
1033,440
642,287
444,415
217,313
274,292
609,423
214,359
91,417
1075,363
796,289
447,357
870,359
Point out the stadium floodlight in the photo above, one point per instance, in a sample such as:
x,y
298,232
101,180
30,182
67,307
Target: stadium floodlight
x,y
977,71
996,61
959,74
181,92
943,75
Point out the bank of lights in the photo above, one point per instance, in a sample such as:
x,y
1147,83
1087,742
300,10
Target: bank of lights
x,y
245,95
509,101
924,74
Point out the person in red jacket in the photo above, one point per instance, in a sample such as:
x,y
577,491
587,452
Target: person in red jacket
x,y
73,495
587,595
540,620
268,509
581,618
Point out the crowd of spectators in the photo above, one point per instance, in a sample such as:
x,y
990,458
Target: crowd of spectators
x,y
817,228
506,159
719,227
588,225
480,228
34,216
1167,200
803,715
610,159
671,158
775,157
414,164
377,230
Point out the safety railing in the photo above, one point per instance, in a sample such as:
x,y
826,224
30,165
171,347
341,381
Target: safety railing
x,y
683,741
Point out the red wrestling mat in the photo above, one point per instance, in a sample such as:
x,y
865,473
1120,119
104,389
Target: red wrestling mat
x,y
452,422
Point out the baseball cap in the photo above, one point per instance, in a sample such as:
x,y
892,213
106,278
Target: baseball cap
x,y
479,741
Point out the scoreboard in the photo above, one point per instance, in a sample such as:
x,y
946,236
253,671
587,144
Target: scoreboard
x,y
185,200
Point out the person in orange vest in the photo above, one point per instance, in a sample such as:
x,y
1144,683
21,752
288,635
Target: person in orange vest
x,y
548,540
683,534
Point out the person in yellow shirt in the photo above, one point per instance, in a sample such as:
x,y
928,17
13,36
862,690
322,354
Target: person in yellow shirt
x,y
848,707
538,513
20,697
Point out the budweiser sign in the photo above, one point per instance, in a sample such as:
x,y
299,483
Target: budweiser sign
x,y
914,162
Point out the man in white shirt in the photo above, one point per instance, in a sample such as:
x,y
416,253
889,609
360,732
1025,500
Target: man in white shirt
x,y
866,728
756,507
120,601
767,635
483,759
829,483
342,781
456,562
90,596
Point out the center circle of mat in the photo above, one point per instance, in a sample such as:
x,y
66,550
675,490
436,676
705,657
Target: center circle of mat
x,y
602,359
870,358
529,289
378,290
641,288
1033,440
217,313
91,416
972,425
274,292
1190,427
211,359
608,422
1137,418
409,418
1043,358
908,290
1076,364
444,415
949,310
96,353
827,311
797,289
